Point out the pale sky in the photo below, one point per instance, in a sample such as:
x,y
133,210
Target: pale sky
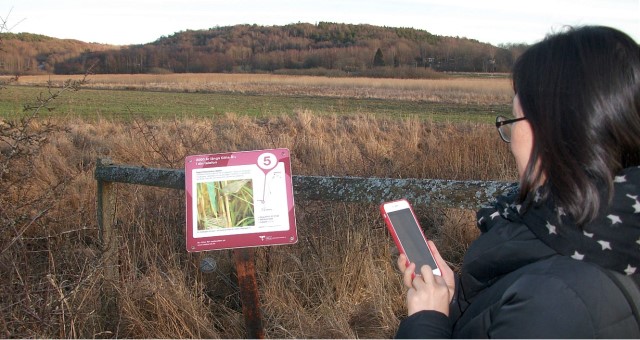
x,y
124,22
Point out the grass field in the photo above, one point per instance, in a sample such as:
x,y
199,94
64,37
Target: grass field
x,y
457,88
338,281
168,96
123,104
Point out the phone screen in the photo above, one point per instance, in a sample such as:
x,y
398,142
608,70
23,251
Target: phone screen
x,y
410,235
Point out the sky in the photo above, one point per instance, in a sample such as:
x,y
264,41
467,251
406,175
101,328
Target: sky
x,y
125,22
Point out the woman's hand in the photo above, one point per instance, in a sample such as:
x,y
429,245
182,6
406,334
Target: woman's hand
x,y
428,291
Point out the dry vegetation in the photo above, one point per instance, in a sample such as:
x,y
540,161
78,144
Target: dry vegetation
x,y
338,281
449,90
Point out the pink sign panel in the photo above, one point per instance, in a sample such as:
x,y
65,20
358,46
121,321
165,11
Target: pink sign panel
x,y
239,199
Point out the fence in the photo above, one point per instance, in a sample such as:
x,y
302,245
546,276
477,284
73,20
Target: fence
x,y
432,192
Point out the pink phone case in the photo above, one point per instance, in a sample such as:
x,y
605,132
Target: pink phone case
x,y
418,249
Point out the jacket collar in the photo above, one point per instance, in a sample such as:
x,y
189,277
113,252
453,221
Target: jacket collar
x,y
503,247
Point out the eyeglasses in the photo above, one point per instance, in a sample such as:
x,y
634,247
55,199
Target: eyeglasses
x,y
504,127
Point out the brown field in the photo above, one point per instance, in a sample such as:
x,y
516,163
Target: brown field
x,y
338,281
465,90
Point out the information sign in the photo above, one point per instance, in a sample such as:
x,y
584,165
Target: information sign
x,y
239,199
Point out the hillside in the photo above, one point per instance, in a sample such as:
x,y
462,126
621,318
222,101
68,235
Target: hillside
x,y
27,53
331,48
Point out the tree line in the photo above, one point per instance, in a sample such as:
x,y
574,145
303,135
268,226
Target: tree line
x,y
339,49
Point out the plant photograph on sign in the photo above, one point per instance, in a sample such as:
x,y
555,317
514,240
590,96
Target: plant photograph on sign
x,y
225,204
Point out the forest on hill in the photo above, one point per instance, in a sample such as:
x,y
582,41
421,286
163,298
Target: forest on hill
x,y
323,48
26,53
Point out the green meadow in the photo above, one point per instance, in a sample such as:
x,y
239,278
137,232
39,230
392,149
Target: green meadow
x,y
124,104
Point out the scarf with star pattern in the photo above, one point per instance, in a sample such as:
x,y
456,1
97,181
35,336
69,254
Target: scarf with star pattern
x,y
611,241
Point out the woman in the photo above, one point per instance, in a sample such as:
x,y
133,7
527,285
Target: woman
x,y
542,266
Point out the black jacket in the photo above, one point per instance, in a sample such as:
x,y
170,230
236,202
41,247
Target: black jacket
x,y
533,274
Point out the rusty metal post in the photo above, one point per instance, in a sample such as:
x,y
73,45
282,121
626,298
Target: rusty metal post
x,y
245,267
106,213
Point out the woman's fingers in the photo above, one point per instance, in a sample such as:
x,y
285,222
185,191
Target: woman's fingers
x,y
408,275
445,270
427,274
402,262
428,292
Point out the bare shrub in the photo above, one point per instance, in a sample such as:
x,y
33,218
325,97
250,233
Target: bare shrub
x,y
41,295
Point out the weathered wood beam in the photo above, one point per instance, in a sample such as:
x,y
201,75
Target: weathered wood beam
x,y
432,192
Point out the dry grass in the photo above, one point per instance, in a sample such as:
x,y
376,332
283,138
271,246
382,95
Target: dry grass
x,y
451,90
338,281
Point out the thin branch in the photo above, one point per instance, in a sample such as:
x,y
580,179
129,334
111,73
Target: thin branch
x,y
4,28
24,229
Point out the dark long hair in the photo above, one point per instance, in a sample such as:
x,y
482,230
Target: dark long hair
x,y
580,91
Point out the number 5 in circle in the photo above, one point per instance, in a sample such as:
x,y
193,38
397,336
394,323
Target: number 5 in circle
x,y
267,161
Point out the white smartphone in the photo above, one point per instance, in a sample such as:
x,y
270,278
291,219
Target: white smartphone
x,y
407,234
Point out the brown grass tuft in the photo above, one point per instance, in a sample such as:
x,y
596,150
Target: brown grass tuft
x,y
163,305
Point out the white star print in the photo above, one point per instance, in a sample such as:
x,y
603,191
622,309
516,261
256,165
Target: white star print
x,y
577,256
614,219
537,198
495,214
561,212
605,245
480,220
638,241
630,270
590,235
518,207
637,205
620,179
551,227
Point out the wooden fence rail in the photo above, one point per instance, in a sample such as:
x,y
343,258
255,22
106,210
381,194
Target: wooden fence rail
x,y
432,192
